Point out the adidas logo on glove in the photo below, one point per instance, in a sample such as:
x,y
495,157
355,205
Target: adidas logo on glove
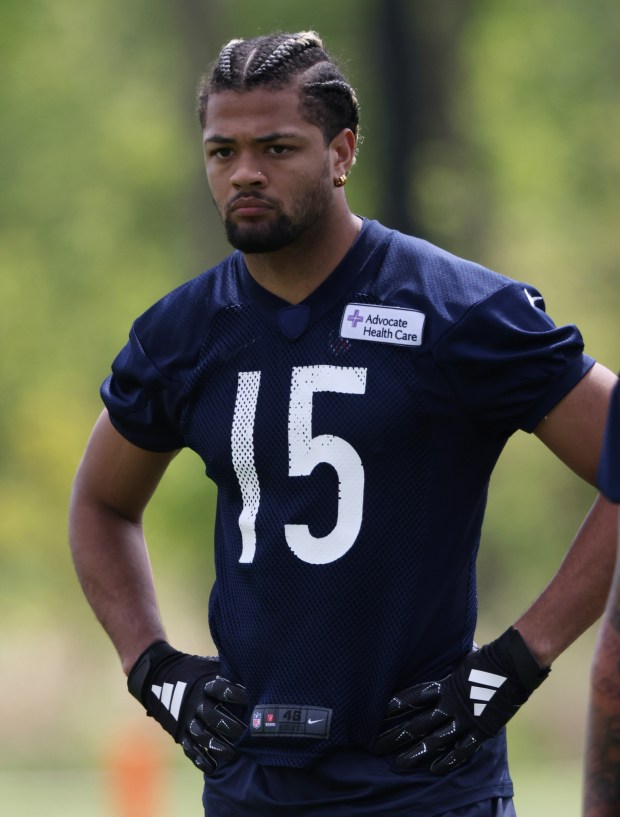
x,y
171,696
183,694
481,695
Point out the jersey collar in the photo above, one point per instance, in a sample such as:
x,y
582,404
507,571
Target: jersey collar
x,y
292,320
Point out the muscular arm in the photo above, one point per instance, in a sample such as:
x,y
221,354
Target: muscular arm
x,y
602,761
575,597
113,485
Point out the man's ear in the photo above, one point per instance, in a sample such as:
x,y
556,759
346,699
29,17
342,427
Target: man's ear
x,y
342,149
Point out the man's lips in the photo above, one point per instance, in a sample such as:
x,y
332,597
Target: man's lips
x,y
248,206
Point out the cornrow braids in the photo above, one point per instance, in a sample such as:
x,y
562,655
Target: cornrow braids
x,y
294,45
279,60
329,100
226,57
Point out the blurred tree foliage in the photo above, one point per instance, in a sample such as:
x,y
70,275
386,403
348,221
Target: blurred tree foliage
x,y
104,208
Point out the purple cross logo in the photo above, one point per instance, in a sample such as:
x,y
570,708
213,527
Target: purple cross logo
x,y
355,318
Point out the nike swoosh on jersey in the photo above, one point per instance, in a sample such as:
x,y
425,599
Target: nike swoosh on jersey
x,y
533,299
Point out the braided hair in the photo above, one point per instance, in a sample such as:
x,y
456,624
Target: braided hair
x,y
277,60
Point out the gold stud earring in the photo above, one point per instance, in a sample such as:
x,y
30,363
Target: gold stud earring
x,y
340,181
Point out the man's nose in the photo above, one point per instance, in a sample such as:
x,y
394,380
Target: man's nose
x,y
248,174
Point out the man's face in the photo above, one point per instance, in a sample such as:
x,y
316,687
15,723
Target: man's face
x,y
268,169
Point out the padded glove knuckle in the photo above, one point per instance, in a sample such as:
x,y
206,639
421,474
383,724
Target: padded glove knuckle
x,y
174,688
455,715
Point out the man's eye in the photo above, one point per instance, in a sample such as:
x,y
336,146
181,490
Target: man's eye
x,y
221,153
279,150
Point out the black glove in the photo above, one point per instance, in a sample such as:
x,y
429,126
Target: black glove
x,y
184,693
449,719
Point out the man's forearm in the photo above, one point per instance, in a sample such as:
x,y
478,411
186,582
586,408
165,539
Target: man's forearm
x,y
575,598
112,564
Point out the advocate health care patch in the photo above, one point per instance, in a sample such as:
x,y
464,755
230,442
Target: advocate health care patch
x,y
382,324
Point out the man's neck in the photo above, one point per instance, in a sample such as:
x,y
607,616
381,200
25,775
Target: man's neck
x,y
295,271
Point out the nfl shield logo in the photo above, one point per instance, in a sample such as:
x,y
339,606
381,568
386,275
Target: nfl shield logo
x,y
256,720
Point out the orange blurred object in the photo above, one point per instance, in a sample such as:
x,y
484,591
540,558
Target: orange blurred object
x,y
136,766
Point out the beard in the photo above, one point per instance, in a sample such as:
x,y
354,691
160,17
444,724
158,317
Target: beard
x,y
284,229
261,238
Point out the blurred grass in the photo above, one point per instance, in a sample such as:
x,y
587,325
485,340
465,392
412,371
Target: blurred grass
x,y
88,793
546,790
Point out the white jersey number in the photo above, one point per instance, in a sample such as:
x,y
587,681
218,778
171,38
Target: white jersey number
x,y
305,453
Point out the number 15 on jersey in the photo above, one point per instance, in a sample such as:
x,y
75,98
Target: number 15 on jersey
x,y
305,452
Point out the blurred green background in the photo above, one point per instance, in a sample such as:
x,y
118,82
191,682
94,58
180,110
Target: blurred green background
x,y
489,128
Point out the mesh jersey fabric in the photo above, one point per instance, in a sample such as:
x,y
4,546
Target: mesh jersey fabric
x,y
350,782
608,478
352,474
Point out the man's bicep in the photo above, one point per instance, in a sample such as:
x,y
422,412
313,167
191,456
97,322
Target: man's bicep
x,y
574,429
117,474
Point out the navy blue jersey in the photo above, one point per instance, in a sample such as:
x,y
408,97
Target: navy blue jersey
x,y
351,438
609,467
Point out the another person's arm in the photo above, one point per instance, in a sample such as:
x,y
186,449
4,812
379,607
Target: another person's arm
x,y
601,790
602,756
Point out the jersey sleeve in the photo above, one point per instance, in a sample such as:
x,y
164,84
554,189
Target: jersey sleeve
x,y
141,399
507,361
608,479
145,392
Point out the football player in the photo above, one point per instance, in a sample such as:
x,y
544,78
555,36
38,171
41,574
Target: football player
x,y
349,390
602,771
